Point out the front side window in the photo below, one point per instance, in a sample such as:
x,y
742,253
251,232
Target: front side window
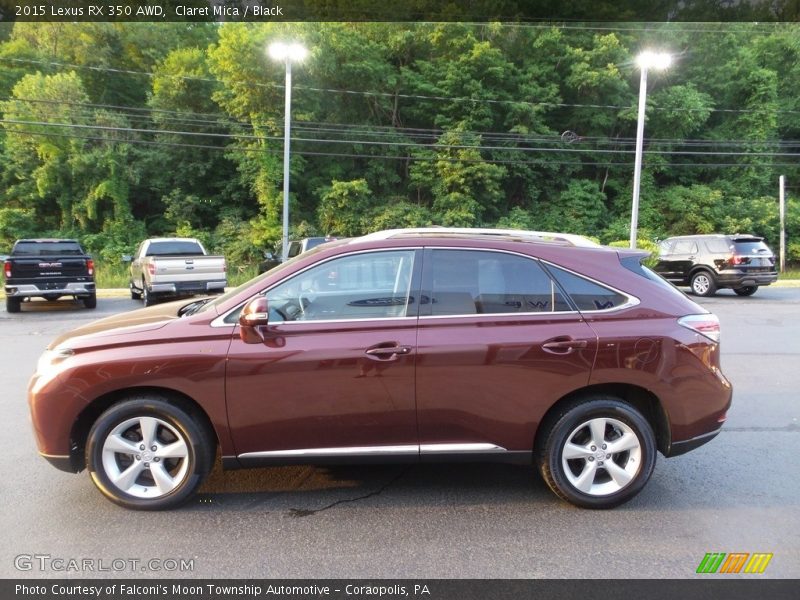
x,y
587,295
371,285
469,282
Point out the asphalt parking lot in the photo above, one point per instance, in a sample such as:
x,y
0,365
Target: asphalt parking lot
x,y
740,493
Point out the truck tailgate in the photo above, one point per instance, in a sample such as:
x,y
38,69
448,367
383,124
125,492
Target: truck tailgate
x,y
187,268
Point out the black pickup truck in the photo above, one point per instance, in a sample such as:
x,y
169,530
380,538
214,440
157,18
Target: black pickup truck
x,y
48,269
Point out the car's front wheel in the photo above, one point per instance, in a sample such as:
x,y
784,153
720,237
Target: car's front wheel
x,y
599,452
149,453
703,284
747,290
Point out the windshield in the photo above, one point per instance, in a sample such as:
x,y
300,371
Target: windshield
x,y
174,248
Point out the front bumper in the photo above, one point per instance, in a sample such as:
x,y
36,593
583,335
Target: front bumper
x,y
31,290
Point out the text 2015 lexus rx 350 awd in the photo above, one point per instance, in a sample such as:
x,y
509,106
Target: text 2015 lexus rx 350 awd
x,y
413,345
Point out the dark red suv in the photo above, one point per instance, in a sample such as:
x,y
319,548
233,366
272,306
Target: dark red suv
x,y
407,345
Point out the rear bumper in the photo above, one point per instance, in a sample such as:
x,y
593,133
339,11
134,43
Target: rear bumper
x,y
31,290
682,447
188,287
737,280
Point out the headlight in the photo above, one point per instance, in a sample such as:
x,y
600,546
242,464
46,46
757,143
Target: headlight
x,y
50,358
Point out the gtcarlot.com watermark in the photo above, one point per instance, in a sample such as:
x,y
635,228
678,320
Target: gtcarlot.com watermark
x,y
47,563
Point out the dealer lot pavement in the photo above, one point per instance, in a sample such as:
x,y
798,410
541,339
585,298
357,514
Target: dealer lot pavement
x,y
740,493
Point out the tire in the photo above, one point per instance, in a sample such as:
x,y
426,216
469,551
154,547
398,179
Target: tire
x,y
748,290
582,476
703,284
13,304
135,295
120,468
147,297
90,301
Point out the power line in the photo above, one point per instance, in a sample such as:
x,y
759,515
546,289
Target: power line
x,y
390,131
395,94
408,158
397,144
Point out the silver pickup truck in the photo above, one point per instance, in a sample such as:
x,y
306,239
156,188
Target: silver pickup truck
x,y
175,267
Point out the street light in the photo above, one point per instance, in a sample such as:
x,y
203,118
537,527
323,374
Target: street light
x,y
286,53
646,60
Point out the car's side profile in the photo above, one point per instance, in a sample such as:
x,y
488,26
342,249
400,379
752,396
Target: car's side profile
x,y
407,345
706,263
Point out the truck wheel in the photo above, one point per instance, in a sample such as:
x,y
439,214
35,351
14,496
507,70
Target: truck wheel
x,y
748,290
135,294
147,297
13,304
90,301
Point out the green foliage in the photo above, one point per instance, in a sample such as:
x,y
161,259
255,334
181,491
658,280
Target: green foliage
x,y
344,206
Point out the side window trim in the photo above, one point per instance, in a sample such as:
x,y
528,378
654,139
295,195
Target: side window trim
x,y
631,300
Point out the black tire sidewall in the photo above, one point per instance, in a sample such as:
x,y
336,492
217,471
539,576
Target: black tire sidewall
x,y
196,442
580,413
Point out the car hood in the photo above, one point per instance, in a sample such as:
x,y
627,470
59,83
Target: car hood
x,y
144,319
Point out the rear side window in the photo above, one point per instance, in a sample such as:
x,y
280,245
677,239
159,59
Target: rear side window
x,y
47,249
717,246
468,282
750,247
588,295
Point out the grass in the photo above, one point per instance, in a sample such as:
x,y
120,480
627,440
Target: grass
x,y
792,273
116,276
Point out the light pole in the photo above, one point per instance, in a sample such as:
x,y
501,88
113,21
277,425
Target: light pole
x,y
287,53
646,60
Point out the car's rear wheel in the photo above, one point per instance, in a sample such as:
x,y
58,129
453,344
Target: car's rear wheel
x,y
90,301
147,297
13,304
599,452
747,290
148,453
703,284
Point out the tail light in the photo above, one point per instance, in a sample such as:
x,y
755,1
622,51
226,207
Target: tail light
x,y
151,268
737,260
8,270
707,325
90,266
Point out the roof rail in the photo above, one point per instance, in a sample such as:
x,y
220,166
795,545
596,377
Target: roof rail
x,y
518,234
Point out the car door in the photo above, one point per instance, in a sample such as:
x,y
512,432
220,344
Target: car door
x,y
334,376
498,343
679,262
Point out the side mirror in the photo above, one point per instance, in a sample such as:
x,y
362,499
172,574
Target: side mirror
x,y
126,258
255,315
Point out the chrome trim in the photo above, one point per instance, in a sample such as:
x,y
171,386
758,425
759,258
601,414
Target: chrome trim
x,y
27,290
459,448
632,300
492,315
343,451
518,234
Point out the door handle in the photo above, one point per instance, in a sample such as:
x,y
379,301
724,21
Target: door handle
x,y
387,351
563,346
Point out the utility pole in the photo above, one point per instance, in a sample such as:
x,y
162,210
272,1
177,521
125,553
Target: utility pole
x,y
782,210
